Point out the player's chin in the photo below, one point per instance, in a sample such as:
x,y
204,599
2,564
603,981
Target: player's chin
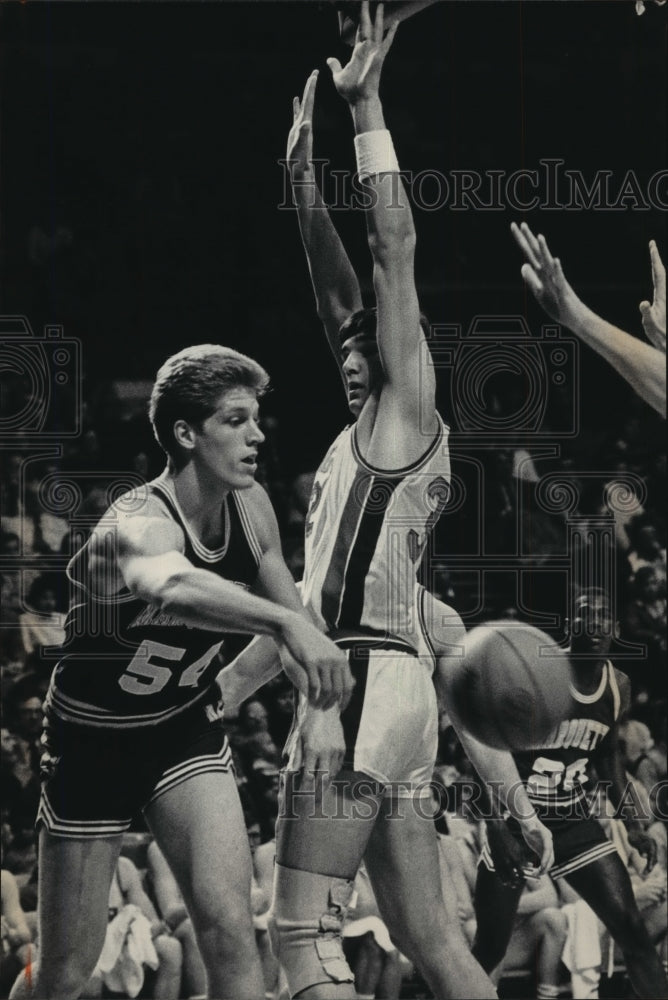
x,y
244,476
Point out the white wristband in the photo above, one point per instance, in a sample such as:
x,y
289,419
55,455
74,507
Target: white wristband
x,y
375,154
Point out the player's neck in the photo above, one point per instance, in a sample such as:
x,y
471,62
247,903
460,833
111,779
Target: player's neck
x,y
200,500
587,674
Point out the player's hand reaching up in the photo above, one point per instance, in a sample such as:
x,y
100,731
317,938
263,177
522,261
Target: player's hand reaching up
x,y
299,152
543,274
654,313
360,78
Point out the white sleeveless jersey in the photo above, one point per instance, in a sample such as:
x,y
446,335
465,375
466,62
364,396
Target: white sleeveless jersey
x,y
366,531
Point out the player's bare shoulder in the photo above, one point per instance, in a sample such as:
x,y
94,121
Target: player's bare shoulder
x,y
143,527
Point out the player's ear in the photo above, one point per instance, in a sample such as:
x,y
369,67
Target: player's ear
x,y
184,434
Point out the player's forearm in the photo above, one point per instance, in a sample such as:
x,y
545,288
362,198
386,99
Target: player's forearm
x,y
389,217
204,600
255,666
643,366
498,771
334,281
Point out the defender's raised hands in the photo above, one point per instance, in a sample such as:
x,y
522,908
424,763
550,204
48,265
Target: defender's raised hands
x,y
654,314
299,152
642,365
543,274
360,78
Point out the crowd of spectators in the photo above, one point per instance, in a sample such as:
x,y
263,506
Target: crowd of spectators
x,y
49,504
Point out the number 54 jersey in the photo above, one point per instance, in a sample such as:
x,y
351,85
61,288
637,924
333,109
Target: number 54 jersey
x,y
125,662
556,774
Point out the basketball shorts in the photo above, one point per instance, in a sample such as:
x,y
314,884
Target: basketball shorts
x,y
390,724
94,780
577,843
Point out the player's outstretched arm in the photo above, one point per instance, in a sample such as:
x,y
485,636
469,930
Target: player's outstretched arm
x,y
611,771
390,226
499,772
654,313
335,284
149,557
642,365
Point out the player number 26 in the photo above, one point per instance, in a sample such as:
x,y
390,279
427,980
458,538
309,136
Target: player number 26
x,y
552,775
144,676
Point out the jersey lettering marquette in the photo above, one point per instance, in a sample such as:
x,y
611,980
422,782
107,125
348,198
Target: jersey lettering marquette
x,y
366,531
129,664
556,773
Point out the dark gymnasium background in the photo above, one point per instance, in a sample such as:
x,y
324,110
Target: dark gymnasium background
x,y
141,188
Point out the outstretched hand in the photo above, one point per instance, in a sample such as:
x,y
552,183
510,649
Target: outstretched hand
x,y
543,274
300,137
654,314
360,78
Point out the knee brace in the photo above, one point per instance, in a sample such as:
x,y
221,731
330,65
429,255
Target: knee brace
x,y
305,927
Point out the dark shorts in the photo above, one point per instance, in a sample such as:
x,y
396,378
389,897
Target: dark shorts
x,y
577,842
94,780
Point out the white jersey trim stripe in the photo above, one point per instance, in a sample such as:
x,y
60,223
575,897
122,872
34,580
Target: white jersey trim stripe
x,y
600,851
70,710
162,485
406,469
78,828
248,527
614,687
589,699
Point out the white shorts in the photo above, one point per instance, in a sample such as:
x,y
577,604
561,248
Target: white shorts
x,y
391,722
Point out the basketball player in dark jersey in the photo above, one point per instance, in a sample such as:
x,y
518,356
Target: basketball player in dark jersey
x,y
133,719
558,777
376,497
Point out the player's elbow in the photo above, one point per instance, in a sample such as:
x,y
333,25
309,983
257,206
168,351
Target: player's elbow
x,y
164,591
169,592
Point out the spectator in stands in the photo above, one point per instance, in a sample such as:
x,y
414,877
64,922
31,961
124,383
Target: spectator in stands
x,y
127,890
372,956
635,742
170,905
648,549
645,618
18,951
649,888
44,624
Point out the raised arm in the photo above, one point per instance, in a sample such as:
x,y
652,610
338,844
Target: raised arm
x,y
642,365
335,284
409,382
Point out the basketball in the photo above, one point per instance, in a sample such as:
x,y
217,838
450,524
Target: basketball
x,y
511,687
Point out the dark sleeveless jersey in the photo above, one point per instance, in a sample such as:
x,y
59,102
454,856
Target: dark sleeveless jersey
x,y
126,663
557,774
